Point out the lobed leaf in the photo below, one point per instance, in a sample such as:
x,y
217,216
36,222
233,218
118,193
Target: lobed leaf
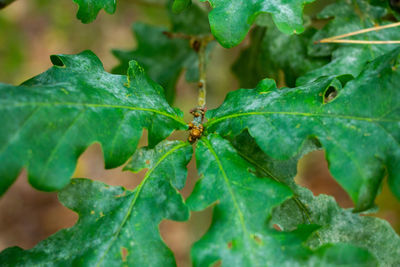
x,y
340,225
337,224
239,235
88,9
230,20
48,121
359,128
350,16
117,227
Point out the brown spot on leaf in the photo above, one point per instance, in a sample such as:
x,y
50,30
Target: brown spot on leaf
x,y
217,264
124,253
148,162
121,195
257,239
277,227
230,244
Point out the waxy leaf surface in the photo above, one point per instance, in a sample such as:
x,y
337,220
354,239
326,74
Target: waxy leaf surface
x,y
340,225
230,20
88,9
117,227
347,17
359,128
51,119
239,234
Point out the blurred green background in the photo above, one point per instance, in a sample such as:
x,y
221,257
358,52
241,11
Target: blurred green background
x,y
32,30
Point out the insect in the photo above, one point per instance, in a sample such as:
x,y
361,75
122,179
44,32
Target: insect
x,y
196,127
196,131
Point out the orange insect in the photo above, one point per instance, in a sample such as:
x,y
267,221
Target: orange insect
x,y
196,131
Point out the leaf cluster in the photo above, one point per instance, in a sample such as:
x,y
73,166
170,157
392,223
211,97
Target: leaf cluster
x,y
343,99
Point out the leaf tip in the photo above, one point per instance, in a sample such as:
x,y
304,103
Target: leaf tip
x,y
266,85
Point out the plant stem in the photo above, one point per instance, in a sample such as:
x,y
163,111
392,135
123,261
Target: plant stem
x,y
199,44
202,84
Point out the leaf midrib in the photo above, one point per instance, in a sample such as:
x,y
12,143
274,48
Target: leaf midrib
x,y
227,182
93,105
303,114
299,203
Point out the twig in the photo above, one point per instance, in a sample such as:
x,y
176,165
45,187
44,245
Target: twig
x,y
338,38
202,84
199,44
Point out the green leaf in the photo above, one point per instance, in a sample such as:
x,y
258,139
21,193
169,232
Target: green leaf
x,y
281,171
181,5
337,224
174,156
359,128
230,20
88,9
117,227
184,21
239,234
162,57
350,16
340,225
271,53
52,118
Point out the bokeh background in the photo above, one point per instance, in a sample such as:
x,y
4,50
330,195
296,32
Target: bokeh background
x,y
32,30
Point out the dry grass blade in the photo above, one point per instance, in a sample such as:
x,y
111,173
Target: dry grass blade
x,y
338,38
